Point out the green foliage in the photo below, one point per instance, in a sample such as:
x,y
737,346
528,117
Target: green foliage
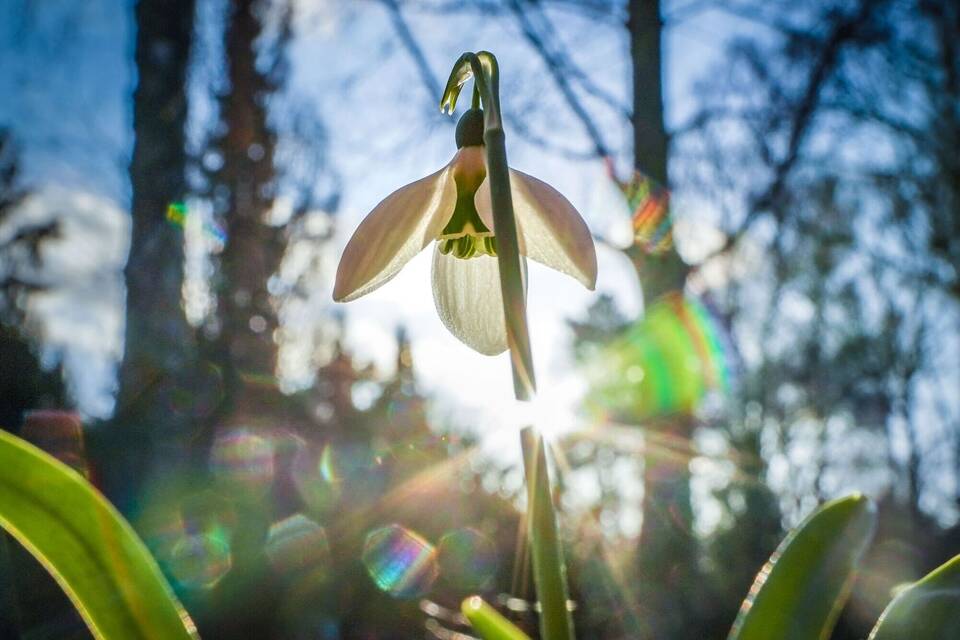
x,y
488,622
928,609
800,591
87,546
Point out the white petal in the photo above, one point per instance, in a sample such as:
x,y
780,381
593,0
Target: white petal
x,y
397,229
550,229
469,302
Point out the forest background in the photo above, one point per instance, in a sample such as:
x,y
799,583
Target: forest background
x,y
178,177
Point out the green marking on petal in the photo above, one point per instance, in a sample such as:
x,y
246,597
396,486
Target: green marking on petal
x,y
468,246
466,235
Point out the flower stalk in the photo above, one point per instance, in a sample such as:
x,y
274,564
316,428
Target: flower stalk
x,y
483,68
549,569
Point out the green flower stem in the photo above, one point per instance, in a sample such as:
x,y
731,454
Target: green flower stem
x,y
549,570
482,67
488,622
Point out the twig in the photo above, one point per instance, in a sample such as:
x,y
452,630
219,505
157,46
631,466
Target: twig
x,y
828,60
554,67
413,48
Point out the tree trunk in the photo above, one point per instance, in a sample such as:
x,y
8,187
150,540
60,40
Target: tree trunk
x,y
158,341
254,246
666,552
245,349
659,274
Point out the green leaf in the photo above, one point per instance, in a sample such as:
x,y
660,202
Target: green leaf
x,y
800,591
926,610
488,622
87,546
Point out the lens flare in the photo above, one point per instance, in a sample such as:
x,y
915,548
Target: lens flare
x,y
177,214
243,458
296,543
200,561
666,363
353,466
206,511
400,562
317,494
344,463
196,395
467,558
649,202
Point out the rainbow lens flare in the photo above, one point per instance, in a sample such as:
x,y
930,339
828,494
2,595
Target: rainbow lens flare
x,y
296,543
346,463
650,203
468,559
243,458
353,466
200,561
400,562
317,494
177,213
666,363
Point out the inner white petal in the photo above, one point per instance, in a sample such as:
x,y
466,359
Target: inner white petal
x,y
469,302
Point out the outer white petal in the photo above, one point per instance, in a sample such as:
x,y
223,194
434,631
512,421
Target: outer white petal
x,y
550,229
397,229
469,302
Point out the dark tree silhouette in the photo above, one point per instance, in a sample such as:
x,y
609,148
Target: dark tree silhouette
x,y
159,347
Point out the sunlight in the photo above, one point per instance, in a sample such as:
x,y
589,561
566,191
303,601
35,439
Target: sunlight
x,y
548,413
713,244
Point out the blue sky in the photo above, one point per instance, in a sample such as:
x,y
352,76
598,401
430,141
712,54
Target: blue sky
x,y
69,75
67,80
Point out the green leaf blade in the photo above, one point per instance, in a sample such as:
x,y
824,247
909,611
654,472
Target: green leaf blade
x,y
800,591
928,609
87,546
488,622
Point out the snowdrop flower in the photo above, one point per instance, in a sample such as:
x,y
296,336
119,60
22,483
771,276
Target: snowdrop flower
x,y
451,208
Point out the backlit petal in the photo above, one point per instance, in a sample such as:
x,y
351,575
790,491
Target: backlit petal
x,y
395,231
550,229
468,299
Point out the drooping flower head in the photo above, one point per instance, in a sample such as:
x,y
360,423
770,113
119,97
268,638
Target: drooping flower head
x,y
452,209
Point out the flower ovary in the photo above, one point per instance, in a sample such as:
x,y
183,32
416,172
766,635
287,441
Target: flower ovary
x,y
469,246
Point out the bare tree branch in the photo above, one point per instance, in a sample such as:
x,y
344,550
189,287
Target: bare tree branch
x,y
519,126
574,71
554,68
805,108
410,43
601,11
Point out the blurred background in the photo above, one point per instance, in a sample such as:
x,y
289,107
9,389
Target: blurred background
x,y
178,178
